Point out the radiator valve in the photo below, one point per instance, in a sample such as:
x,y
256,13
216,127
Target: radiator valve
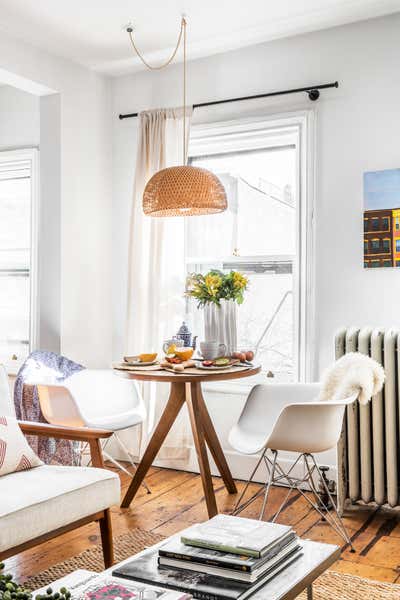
x,y
325,482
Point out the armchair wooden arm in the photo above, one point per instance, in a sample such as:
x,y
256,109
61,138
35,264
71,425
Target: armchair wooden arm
x,y
80,434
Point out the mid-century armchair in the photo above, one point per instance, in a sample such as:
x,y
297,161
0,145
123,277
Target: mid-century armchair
x,y
46,501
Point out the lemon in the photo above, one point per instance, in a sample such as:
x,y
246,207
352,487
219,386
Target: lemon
x,y
171,349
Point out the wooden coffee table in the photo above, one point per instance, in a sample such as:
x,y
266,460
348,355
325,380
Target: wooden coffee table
x,y
186,387
287,585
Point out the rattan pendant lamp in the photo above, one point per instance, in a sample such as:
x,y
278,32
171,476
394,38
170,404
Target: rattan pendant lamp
x,y
184,190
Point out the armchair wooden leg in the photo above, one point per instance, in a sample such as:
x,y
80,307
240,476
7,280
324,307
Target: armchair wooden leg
x,y
107,539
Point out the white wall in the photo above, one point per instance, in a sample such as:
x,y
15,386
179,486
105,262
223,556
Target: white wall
x,y
358,129
82,179
19,119
49,246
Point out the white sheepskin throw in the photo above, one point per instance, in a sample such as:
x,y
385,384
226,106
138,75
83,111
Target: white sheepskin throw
x,y
353,373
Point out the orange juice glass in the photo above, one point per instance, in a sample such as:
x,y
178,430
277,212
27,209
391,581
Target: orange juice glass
x,y
184,353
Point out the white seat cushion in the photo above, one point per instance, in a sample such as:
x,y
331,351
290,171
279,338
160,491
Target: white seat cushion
x,y
43,499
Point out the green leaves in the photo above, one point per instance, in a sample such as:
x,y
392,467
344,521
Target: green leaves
x,y
11,590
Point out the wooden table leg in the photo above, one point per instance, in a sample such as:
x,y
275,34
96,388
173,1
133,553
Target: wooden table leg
x,y
171,411
193,403
215,446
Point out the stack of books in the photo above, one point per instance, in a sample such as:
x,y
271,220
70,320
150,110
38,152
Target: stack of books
x,y
226,558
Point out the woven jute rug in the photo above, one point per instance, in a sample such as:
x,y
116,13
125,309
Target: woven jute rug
x,y
330,586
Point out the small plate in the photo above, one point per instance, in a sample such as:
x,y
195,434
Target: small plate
x,y
215,367
139,363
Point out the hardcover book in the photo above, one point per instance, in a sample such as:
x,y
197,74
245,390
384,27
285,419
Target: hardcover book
x,y
236,535
203,586
236,574
175,549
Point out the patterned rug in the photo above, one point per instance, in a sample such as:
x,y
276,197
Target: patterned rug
x,y
330,586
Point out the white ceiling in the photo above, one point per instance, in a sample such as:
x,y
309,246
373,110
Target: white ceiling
x,y
91,32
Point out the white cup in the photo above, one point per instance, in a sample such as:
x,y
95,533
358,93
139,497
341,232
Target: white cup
x,y
211,350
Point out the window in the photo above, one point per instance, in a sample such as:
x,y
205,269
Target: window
x,y
366,224
374,263
365,246
375,245
398,245
387,263
385,224
17,254
397,223
260,235
386,245
375,224
397,263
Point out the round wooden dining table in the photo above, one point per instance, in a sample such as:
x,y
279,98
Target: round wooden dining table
x,y
186,388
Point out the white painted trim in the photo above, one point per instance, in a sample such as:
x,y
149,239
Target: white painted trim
x,y
241,465
31,155
35,225
298,127
307,214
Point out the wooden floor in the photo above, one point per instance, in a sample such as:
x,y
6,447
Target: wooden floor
x,y
177,501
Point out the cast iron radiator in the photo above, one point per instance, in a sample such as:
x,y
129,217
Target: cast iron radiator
x,y
368,451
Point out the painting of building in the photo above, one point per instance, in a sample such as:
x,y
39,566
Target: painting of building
x,y
396,236
382,218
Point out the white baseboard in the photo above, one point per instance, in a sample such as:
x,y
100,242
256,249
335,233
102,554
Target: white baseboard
x,y
241,465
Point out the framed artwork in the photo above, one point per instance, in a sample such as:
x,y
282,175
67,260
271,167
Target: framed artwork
x,y
382,219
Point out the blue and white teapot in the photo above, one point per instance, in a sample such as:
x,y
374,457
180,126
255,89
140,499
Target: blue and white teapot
x,y
185,334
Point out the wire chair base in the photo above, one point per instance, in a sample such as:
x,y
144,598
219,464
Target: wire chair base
x,y
277,475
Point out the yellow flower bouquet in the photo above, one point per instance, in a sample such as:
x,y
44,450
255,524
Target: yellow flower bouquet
x,y
216,286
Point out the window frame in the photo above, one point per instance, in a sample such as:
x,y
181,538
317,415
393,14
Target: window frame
x,y
32,156
254,133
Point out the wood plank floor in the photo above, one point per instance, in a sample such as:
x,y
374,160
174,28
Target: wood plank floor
x,y
177,501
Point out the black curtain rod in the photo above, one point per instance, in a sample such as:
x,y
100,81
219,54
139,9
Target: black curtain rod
x,y
311,90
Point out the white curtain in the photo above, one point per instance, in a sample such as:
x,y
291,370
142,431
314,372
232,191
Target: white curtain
x,y
156,278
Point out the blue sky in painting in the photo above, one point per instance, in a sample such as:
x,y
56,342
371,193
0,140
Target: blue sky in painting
x,y
382,189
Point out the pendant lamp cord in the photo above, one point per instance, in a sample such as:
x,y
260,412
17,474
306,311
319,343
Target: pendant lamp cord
x,y
184,92
170,59
182,34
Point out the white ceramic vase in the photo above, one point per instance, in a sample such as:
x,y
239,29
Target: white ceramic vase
x,y
220,324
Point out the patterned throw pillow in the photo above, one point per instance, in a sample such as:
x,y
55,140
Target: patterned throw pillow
x,y
15,452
